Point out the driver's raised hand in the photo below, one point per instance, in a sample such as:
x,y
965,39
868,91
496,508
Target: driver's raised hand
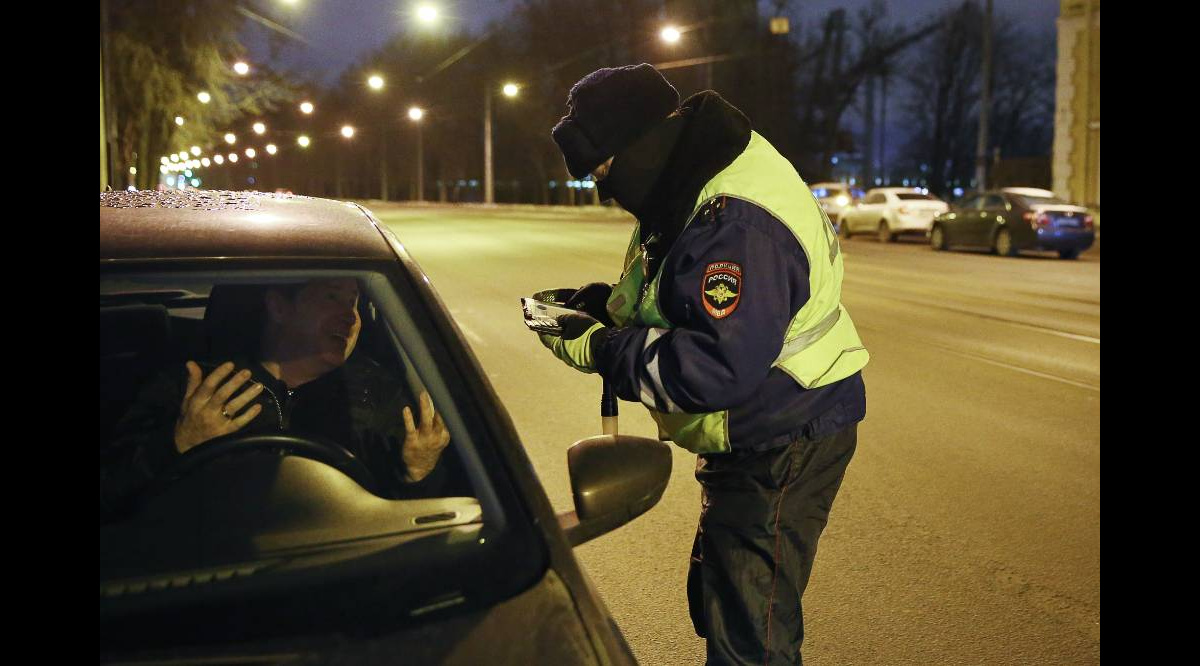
x,y
209,409
423,445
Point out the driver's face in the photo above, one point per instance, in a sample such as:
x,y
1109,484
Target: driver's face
x,y
324,321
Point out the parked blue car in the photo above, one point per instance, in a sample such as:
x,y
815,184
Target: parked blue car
x,y
1013,219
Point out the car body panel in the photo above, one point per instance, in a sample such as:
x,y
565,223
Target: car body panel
x,y
552,634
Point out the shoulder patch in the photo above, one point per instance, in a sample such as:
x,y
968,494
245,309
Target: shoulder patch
x,y
721,288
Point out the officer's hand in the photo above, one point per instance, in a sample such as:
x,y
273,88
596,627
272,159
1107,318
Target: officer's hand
x,y
581,337
207,410
423,446
593,299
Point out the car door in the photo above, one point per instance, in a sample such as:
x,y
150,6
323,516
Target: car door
x,y
867,214
979,221
994,210
286,545
955,230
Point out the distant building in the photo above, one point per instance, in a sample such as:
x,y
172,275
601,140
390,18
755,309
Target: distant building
x,y
1076,161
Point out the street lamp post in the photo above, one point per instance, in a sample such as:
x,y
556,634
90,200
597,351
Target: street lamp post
x,y
489,194
347,133
489,190
416,113
375,82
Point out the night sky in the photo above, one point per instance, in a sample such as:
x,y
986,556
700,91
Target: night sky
x,y
341,31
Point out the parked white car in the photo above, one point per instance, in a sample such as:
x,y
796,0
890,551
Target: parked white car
x,y
835,197
892,211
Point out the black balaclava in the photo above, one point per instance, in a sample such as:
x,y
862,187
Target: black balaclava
x,y
636,169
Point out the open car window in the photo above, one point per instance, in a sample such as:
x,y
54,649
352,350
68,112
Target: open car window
x,y
314,491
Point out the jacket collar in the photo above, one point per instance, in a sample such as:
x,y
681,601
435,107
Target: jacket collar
x,y
715,132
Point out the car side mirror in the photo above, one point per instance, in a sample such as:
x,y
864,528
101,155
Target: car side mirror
x,y
614,479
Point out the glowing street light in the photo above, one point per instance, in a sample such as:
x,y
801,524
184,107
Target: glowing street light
x,y
164,159
416,113
179,120
250,152
174,157
271,149
259,128
241,68
511,90
233,157
163,169
375,81
230,138
204,161
204,97
427,14
303,141
306,108
219,159
183,155
670,34
196,150
347,131
133,171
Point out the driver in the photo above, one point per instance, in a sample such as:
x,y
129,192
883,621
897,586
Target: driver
x,y
298,379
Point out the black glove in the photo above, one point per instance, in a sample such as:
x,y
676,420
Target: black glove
x,y
593,299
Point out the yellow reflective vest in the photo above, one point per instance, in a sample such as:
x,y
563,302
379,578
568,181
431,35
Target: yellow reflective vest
x,y
821,345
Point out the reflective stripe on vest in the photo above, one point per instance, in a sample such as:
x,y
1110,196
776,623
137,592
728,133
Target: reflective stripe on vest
x,y
821,345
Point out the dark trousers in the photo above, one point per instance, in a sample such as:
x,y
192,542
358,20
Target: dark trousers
x,y
761,515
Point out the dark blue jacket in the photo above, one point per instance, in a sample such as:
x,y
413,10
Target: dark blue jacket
x,y
709,364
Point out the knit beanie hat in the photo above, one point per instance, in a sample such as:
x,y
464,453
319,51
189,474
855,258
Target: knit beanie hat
x,y
608,110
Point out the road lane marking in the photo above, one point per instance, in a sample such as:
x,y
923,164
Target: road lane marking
x,y
1002,320
1002,364
985,359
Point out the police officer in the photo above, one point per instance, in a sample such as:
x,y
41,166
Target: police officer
x,y
727,325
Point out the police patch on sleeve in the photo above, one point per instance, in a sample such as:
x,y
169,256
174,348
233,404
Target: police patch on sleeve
x,y
721,288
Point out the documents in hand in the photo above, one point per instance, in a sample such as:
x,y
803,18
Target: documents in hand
x,y
542,316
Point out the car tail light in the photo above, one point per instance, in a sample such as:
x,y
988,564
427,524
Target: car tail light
x,y
1036,219
1087,221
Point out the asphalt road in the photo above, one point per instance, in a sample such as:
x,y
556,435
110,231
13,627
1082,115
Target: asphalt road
x,y
967,530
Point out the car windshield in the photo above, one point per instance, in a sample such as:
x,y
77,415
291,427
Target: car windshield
x,y
294,426
915,196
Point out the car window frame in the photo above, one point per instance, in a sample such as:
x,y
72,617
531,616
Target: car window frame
x,y
992,201
508,536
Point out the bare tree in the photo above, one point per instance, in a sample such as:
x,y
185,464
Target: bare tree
x,y
160,57
943,100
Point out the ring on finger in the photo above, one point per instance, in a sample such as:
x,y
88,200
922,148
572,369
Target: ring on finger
x,y
225,413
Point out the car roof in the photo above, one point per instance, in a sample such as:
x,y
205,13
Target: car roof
x,y
175,224
828,185
894,189
1028,191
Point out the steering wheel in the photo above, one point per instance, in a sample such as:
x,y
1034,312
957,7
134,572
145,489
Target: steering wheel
x,y
311,447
